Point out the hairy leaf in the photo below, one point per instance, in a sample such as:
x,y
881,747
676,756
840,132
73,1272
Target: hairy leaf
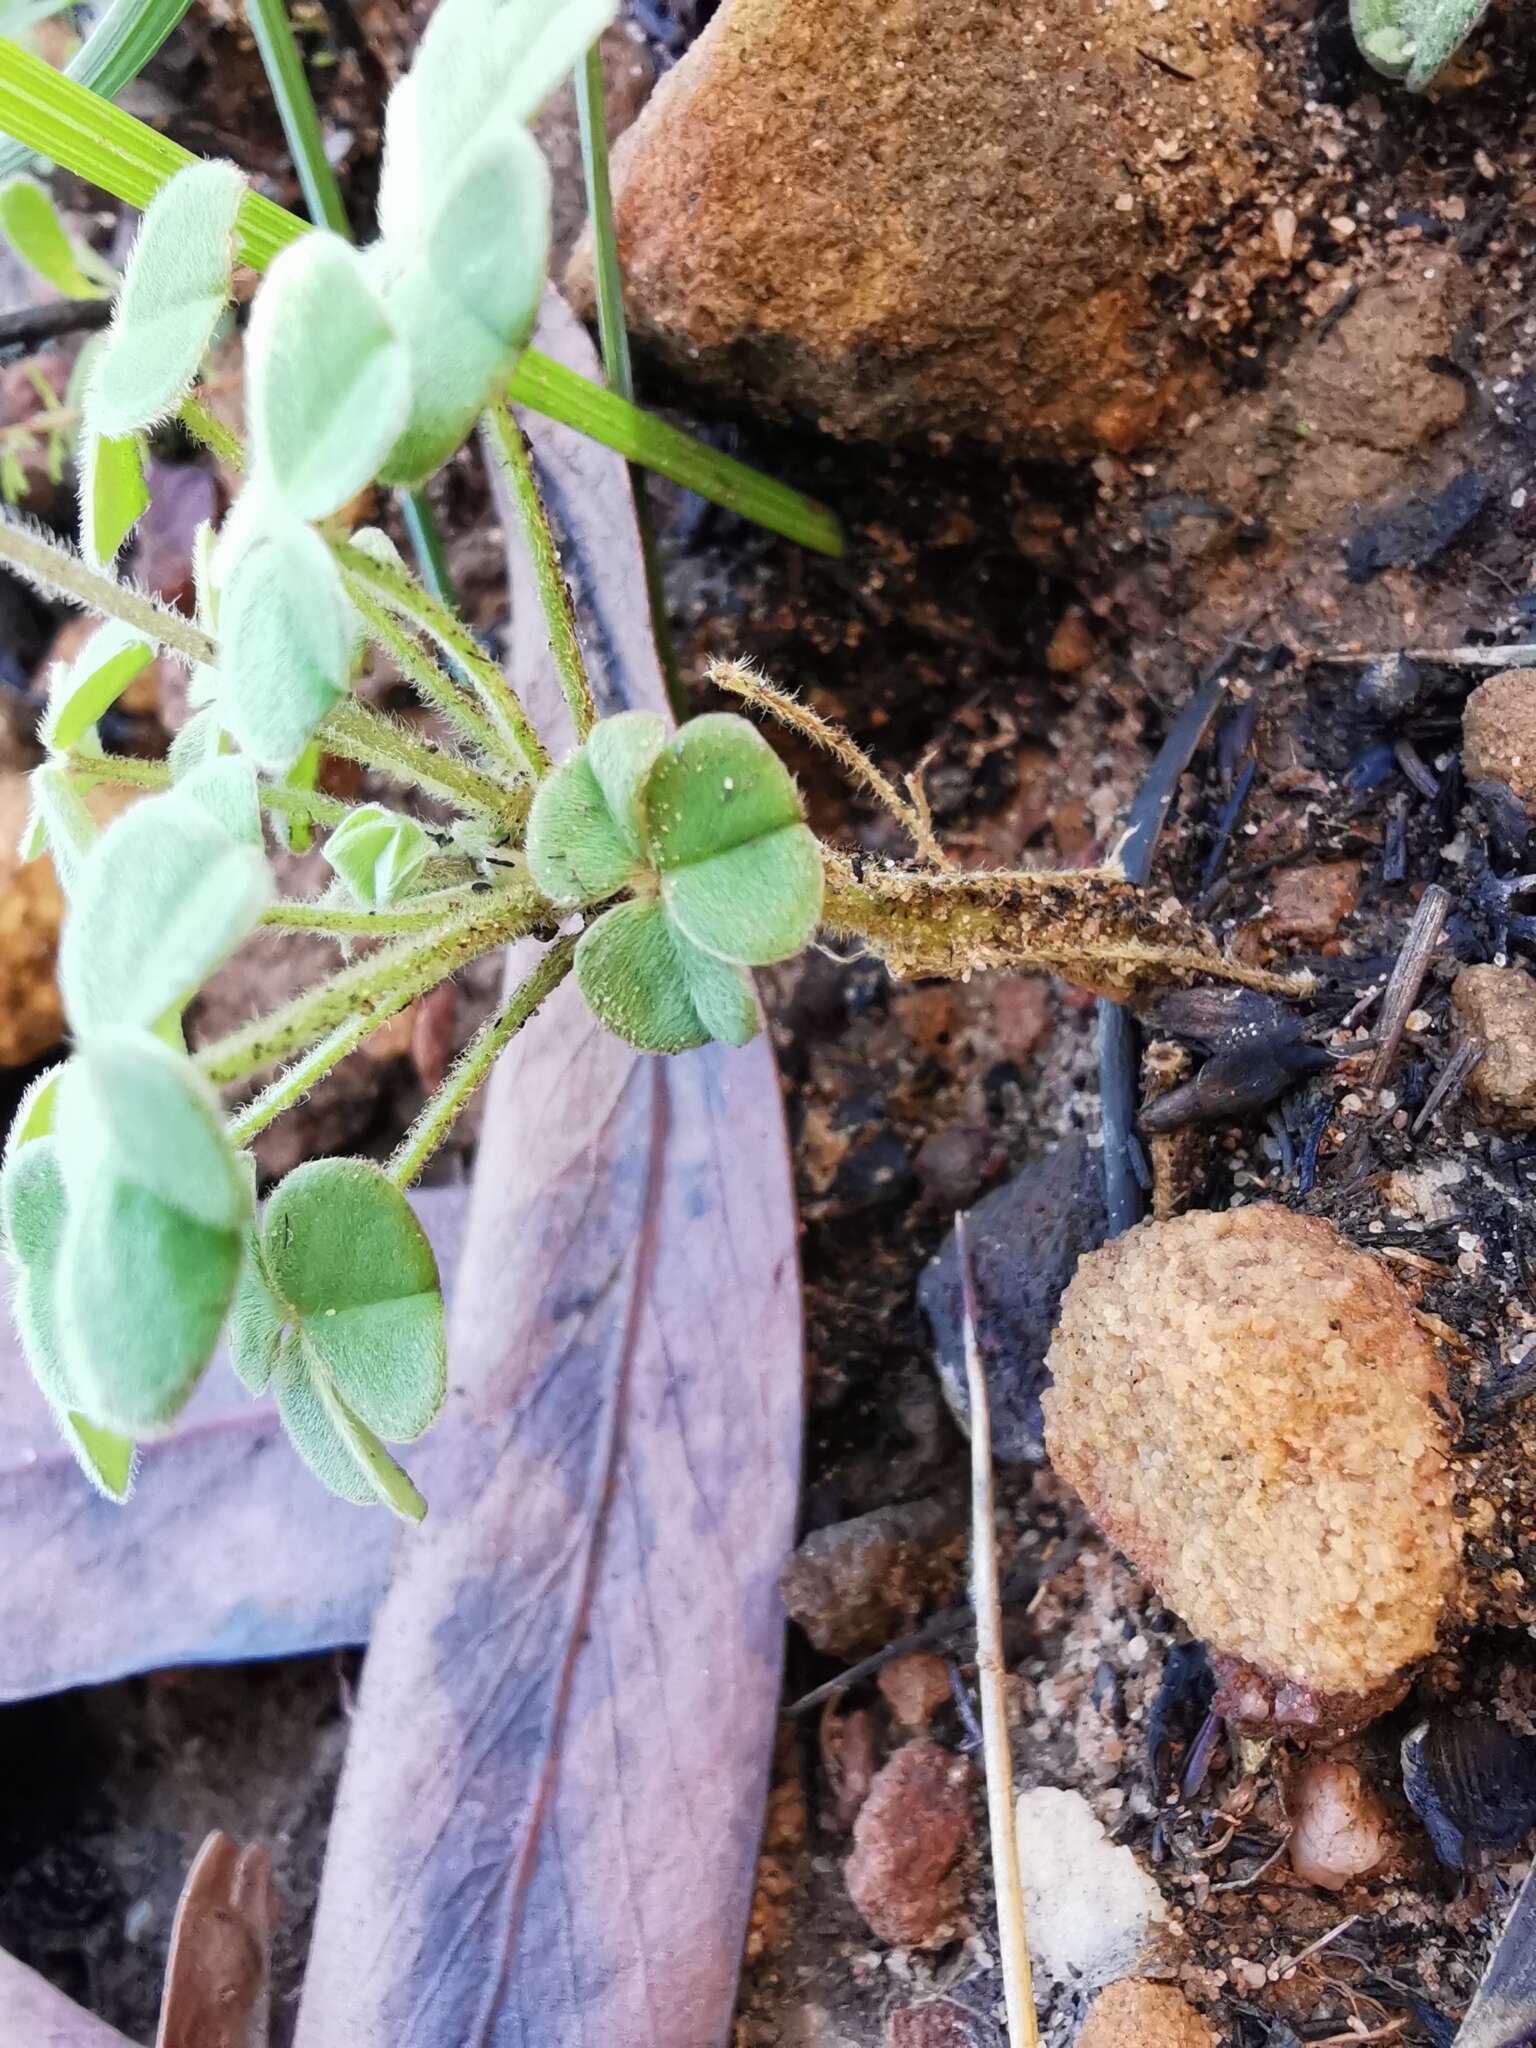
x,y
60,824
456,363
582,847
92,683
174,292
757,903
30,222
338,1448
113,493
164,895
285,640
378,853
256,1324
650,987
329,382
355,1274
1414,39
226,788
488,247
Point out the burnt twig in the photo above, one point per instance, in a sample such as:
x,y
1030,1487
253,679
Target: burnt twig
x,y
30,328
1407,978
1450,1084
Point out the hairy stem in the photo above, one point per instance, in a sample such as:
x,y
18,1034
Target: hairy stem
x,y
739,680
211,432
306,804
432,684
295,1082
421,914
475,1062
1090,925
509,445
406,597
367,736
60,572
368,986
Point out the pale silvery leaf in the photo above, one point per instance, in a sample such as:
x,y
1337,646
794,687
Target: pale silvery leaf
x,y
60,825
174,292
163,897
285,637
92,683
329,383
378,854
226,788
113,493
199,741
30,222
489,243
456,365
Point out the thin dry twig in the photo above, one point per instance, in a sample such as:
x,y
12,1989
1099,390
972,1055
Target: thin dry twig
x,y
1450,1084
1018,1982
742,680
1407,978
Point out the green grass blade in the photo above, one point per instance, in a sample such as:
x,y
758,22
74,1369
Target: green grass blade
x,y
284,66
112,55
89,136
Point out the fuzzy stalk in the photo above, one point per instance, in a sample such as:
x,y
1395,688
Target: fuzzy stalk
x,y
338,920
307,805
469,1070
211,433
402,594
366,736
431,683
60,572
1089,925
509,446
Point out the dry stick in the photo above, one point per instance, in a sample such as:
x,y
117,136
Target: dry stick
x,y
1402,990
1519,654
1018,1981
739,680
1450,1084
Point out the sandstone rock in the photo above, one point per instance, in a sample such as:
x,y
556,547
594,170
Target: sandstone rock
x,y
899,218
1498,727
1311,903
1025,1241
1339,1828
910,1860
915,1688
1090,1908
938,2024
1496,1008
1136,2014
857,1585
1248,1405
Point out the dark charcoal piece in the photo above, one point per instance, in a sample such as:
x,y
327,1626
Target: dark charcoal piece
x,y
1414,533
1220,1019
1025,1239
1390,687
1472,1781
1503,2014
1233,1085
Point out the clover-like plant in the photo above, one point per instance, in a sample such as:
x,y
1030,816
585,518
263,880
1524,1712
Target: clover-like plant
x,y
1413,40
656,865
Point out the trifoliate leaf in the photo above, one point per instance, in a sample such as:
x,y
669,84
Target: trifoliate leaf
x,y
92,683
721,994
585,829
329,382
33,1200
256,1325
30,222
337,1446
353,1270
1413,39
378,854
174,292
740,871
285,639
163,897
113,493
627,968
488,244
157,1207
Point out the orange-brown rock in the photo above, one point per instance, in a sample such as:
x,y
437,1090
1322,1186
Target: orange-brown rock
x,y
912,1844
1254,1414
1498,729
1495,1007
1137,2014
898,218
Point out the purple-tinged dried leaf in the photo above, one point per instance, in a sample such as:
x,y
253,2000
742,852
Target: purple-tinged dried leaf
x,y
228,1550
1472,1782
548,1824
34,2015
1503,2014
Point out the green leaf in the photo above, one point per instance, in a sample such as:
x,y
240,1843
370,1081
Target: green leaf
x,y
174,292
378,854
113,493
581,846
34,1112
740,871
1413,39
255,1326
285,638
157,1206
456,363
60,825
120,44
108,1460
329,382
488,245
353,1270
721,994
199,742
29,221
226,788
338,1448
92,683
163,897
627,968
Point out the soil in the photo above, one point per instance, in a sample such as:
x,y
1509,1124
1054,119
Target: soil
x,y
1026,632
